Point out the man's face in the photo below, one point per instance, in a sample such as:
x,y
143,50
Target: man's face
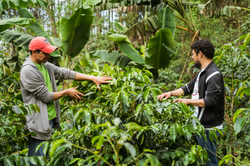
x,y
195,57
42,57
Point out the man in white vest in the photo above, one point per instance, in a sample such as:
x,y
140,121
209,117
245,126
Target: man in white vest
x,y
207,90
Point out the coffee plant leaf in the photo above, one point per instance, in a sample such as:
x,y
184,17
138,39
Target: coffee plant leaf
x,y
54,146
39,146
236,114
238,125
45,148
59,150
130,148
33,160
186,160
173,132
100,143
153,159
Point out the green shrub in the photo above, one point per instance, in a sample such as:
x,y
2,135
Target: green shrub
x,y
125,124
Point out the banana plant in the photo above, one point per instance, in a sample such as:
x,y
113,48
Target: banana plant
x,y
107,4
15,4
7,35
159,48
7,23
74,33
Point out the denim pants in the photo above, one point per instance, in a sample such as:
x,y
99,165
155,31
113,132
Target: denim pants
x,y
33,143
210,146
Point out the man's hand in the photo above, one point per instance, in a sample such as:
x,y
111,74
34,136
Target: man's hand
x,y
100,80
73,93
164,95
185,101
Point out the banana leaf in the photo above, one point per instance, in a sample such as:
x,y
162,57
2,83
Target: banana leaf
x,y
75,31
151,23
37,28
113,57
166,19
20,39
126,47
7,23
160,50
15,4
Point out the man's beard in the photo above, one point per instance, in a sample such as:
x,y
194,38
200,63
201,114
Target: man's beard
x,y
197,65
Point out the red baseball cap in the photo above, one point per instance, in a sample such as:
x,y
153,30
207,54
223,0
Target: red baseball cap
x,y
41,43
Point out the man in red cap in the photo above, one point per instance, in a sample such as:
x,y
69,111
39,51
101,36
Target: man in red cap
x,y
38,86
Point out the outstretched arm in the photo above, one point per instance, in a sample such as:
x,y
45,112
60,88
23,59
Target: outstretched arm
x,y
194,102
97,80
72,92
166,95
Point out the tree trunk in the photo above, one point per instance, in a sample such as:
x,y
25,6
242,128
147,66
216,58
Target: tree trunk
x,y
50,11
232,124
185,65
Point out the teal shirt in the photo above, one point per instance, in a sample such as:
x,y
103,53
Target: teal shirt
x,y
51,105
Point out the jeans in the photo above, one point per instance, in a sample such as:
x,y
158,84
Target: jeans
x,y
210,146
33,143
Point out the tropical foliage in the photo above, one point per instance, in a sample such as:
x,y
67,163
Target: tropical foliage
x,y
158,51
123,123
134,42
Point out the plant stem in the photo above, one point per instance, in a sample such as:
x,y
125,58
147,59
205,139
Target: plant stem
x,y
90,152
135,158
232,116
15,139
116,154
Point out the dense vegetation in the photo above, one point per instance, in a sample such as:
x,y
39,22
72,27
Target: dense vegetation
x,y
124,123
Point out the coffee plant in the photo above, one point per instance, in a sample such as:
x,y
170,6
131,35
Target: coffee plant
x,y
233,60
12,117
124,124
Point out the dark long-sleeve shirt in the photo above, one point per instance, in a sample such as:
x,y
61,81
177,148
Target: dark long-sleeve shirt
x,y
211,90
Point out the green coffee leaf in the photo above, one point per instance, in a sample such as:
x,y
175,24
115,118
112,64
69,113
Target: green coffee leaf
x,y
137,110
100,143
74,160
173,132
153,159
54,146
237,113
59,150
39,146
40,160
238,125
8,162
117,121
131,149
146,95
33,160
186,160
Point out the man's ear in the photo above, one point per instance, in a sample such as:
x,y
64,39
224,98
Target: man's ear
x,y
34,52
200,53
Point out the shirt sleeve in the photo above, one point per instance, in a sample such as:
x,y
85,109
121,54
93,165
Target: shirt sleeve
x,y
63,73
188,88
33,83
214,90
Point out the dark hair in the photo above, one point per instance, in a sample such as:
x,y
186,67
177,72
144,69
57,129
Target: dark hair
x,y
205,46
36,51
